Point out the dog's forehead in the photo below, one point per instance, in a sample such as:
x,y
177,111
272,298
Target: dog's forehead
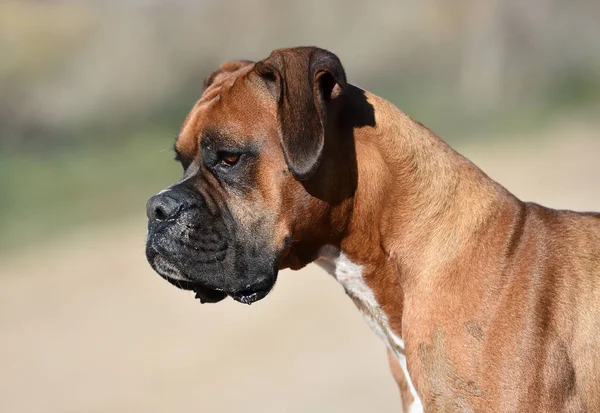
x,y
231,106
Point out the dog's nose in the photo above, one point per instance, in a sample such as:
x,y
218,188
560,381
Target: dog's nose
x,y
162,207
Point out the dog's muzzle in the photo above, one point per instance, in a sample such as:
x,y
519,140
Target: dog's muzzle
x,y
200,250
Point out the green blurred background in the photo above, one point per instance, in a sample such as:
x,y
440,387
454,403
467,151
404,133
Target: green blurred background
x,y
92,94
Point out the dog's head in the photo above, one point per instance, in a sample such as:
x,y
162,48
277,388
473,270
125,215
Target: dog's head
x,y
256,194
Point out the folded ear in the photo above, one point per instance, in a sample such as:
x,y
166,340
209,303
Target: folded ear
x,y
226,67
305,80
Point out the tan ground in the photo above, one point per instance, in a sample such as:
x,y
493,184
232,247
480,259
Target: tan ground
x,y
86,326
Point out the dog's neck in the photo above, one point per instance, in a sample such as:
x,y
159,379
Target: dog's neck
x,y
432,198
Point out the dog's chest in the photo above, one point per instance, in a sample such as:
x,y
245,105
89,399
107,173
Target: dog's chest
x,y
350,276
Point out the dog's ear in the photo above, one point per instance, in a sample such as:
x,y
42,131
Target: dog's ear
x,y
226,67
304,80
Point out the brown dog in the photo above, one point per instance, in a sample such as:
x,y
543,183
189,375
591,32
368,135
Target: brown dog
x,y
486,303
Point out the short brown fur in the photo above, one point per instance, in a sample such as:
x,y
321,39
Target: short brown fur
x,y
498,301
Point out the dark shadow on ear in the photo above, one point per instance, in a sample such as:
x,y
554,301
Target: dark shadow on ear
x,y
317,114
336,179
356,111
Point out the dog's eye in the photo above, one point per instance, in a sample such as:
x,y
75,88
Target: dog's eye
x,y
228,159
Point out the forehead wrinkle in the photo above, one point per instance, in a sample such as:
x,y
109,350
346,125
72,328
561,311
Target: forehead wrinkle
x,y
186,142
217,87
242,76
209,95
225,86
225,82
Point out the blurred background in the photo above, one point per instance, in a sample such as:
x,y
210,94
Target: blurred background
x,y
92,94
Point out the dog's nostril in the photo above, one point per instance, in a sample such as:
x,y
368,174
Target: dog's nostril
x,y
159,214
162,207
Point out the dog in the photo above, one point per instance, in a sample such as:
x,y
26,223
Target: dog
x,y
485,303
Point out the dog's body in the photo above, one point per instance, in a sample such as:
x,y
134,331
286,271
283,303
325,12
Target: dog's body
x,y
486,304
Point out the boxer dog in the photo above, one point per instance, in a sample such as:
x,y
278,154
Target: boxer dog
x,y
485,303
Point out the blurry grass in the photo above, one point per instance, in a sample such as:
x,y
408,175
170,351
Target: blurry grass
x,y
44,195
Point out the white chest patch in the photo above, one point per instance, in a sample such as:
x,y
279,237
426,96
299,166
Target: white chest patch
x,y
349,275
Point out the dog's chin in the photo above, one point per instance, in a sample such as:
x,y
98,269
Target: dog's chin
x,y
204,294
176,277
208,295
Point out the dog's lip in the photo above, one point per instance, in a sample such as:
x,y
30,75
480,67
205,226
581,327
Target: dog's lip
x,y
208,294
249,297
203,293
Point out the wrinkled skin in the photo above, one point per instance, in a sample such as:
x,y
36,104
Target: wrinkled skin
x,y
251,149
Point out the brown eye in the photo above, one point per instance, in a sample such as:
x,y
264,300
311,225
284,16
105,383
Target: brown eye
x,y
229,159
